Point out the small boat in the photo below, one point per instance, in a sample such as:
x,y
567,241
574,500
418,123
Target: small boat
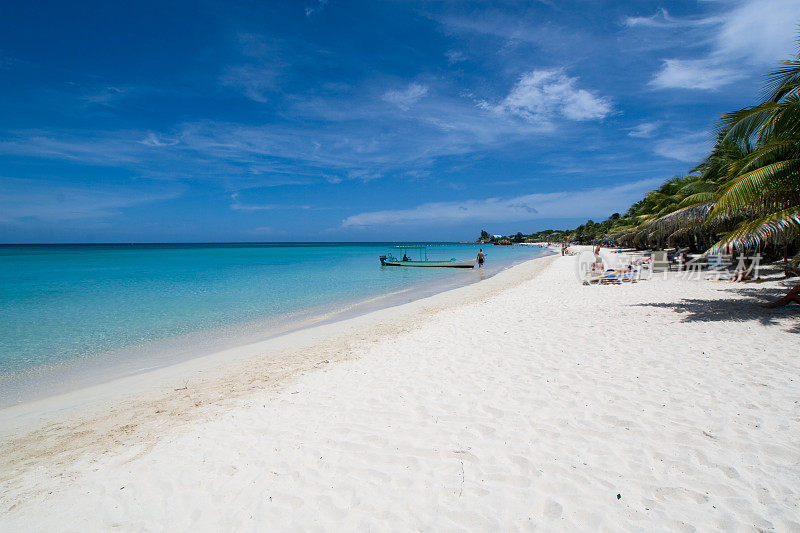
x,y
391,260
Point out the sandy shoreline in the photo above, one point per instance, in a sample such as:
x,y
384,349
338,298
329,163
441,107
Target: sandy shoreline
x,y
525,400
318,334
81,373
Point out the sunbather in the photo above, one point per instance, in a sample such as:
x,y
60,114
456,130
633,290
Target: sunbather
x,y
598,260
597,269
745,271
792,296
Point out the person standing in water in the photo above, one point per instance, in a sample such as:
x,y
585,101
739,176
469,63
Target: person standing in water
x,y
481,258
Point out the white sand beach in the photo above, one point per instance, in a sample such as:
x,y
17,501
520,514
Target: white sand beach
x,y
527,401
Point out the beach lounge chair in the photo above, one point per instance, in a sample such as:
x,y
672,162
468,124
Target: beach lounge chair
x,y
677,260
659,262
611,277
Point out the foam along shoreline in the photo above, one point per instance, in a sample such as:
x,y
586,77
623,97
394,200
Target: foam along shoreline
x,y
66,377
528,400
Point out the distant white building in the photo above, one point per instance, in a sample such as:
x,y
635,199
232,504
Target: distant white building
x,y
497,236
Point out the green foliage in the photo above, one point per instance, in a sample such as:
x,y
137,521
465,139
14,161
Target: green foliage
x,y
745,194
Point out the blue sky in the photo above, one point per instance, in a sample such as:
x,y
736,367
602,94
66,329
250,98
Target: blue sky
x,y
344,120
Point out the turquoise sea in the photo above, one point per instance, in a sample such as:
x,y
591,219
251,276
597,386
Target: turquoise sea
x,y
65,309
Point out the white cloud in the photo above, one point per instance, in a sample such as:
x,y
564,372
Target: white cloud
x,y
752,34
762,32
514,28
662,19
363,175
644,130
693,74
154,140
107,95
599,202
543,95
407,97
349,142
454,56
689,148
239,206
356,137
97,148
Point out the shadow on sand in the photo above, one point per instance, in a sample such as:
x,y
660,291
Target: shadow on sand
x,y
749,307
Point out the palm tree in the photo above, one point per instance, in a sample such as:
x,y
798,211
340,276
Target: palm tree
x,y
763,193
748,189
673,213
745,194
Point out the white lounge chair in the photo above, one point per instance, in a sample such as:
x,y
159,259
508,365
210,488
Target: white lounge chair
x,y
659,262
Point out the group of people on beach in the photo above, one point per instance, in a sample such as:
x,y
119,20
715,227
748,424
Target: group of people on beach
x,y
745,271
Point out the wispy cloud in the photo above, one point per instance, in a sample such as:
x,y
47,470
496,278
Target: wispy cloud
x,y
107,95
694,74
260,65
238,205
333,139
154,140
96,148
405,98
542,95
644,130
513,29
760,32
51,201
750,34
254,81
315,8
688,148
455,56
567,204
662,19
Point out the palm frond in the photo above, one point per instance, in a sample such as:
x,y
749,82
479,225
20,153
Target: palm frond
x,y
697,186
749,188
776,227
783,81
698,199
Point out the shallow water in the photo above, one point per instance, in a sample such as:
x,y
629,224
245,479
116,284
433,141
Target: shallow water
x,y
63,307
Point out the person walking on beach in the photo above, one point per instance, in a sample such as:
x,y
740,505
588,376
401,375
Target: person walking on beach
x,y
481,257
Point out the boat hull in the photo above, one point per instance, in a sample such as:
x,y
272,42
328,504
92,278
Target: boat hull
x,y
467,263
